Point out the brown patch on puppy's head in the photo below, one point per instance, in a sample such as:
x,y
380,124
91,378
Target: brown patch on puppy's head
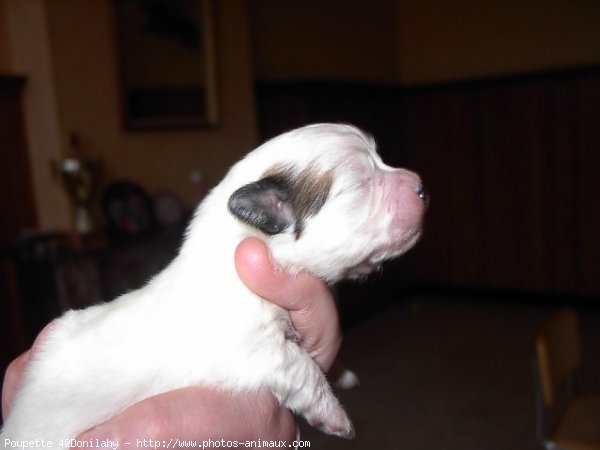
x,y
282,199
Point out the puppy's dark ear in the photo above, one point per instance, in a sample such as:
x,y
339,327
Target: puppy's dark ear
x,y
264,204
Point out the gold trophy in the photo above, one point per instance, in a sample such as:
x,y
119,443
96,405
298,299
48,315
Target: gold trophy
x,y
79,179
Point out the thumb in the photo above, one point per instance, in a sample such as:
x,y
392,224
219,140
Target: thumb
x,y
308,299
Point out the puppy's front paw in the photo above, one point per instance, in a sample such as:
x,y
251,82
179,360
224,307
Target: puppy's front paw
x,y
332,420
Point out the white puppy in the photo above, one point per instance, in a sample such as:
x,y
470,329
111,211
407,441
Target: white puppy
x,y
322,200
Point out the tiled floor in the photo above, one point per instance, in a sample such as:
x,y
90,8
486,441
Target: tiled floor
x,y
449,373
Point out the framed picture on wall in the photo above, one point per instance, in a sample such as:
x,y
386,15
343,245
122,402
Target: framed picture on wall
x,y
167,64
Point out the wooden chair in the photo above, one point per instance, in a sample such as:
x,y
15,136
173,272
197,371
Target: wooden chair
x,y
563,420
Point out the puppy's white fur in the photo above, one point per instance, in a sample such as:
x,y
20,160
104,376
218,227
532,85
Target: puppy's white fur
x,y
195,323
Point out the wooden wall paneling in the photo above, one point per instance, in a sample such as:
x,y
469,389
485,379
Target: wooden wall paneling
x,y
16,194
280,108
16,201
511,166
587,92
505,172
462,173
564,194
423,150
535,201
440,135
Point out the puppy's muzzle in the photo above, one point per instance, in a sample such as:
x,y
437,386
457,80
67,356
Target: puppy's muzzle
x,y
415,183
422,193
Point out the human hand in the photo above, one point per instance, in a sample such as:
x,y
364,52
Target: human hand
x,y
193,413
309,301
200,413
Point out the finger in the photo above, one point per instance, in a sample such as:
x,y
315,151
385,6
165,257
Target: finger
x,y
260,273
318,325
309,300
199,414
12,380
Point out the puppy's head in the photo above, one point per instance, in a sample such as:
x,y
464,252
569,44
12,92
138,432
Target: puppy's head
x,y
324,201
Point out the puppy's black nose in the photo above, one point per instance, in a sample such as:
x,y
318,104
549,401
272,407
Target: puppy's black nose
x,y
422,193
